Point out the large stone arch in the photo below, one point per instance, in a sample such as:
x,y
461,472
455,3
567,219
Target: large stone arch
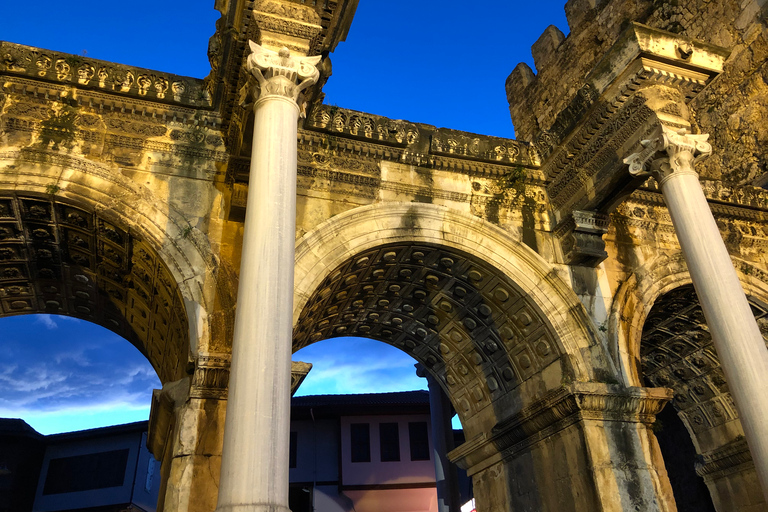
x,y
661,338
447,286
360,237
95,221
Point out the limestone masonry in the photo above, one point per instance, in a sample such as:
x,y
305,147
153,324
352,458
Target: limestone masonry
x,y
561,288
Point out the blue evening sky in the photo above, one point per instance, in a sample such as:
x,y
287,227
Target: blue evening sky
x,y
436,62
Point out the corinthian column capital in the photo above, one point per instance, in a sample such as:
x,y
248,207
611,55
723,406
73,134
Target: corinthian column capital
x,y
670,152
279,74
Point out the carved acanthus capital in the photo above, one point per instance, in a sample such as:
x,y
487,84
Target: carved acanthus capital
x,y
670,152
280,74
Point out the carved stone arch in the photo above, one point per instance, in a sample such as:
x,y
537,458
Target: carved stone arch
x,y
637,295
431,276
660,336
152,246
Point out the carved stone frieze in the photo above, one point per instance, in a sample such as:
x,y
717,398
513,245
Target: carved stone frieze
x,y
83,72
285,24
490,149
731,458
338,121
622,101
744,228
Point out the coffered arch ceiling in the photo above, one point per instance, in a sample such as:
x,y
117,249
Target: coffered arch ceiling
x,y
61,258
464,320
676,351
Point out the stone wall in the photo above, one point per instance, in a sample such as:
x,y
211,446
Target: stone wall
x,y
729,109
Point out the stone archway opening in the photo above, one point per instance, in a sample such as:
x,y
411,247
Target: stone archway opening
x,y
469,325
677,352
384,390
63,258
64,374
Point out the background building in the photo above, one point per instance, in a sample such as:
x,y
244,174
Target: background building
x,y
363,453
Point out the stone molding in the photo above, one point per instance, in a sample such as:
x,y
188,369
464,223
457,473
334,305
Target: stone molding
x,y
287,25
279,72
641,56
211,376
100,75
584,148
574,403
734,457
423,144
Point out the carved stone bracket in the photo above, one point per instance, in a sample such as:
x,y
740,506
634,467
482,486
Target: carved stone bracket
x,y
281,75
667,153
581,238
562,408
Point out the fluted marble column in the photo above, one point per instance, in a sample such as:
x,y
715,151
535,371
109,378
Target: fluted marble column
x,y
254,462
736,336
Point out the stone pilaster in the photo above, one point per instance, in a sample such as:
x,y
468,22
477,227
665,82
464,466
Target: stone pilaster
x,y
586,446
670,156
254,467
185,434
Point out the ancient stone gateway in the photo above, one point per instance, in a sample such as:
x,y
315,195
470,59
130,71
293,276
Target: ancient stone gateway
x,y
545,283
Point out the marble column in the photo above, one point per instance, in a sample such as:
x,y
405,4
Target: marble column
x,y
739,344
254,462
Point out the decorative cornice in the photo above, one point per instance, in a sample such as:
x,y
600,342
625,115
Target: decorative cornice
x,y
117,79
581,238
584,148
286,24
211,376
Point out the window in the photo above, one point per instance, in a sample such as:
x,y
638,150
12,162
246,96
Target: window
x,y
361,442
389,442
86,472
292,449
417,432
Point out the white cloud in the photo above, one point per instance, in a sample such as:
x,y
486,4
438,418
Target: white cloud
x,y
355,365
47,321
